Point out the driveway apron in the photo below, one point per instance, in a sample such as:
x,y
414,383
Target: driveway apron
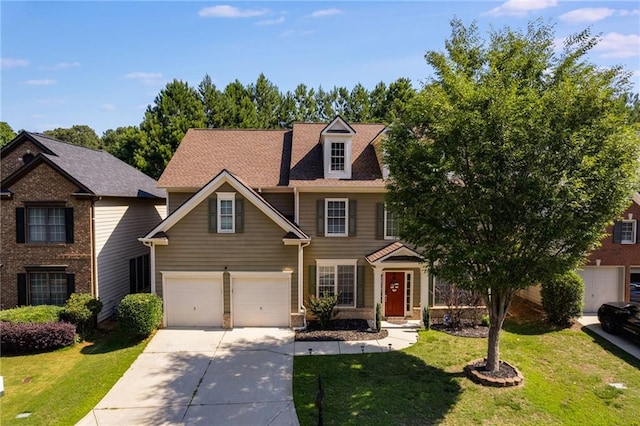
x,y
186,376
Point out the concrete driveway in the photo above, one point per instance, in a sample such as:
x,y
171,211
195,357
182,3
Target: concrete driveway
x,y
237,377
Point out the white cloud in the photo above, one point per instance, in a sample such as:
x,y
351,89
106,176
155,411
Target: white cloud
x,y
40,82
629,12
615,45
521,8
148,78
276,21
62,66
325,12
13,62
226,11
109,107
586,15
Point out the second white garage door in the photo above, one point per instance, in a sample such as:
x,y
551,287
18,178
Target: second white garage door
x,y
191,300
601,284
261,299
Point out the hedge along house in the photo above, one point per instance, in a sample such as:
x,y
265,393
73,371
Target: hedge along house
x,y
70,220
260,220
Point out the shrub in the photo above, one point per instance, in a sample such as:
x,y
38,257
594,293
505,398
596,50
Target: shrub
x,y
82,309
36,337
485,321
425,318
378,316
562,298
139,313
323,308
32,314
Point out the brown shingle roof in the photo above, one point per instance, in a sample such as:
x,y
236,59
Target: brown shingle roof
x,y
377,255
260,157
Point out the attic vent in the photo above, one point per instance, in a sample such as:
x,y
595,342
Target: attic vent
x,y
26,159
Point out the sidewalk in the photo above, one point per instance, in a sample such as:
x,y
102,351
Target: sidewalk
x,y
591,322
400,337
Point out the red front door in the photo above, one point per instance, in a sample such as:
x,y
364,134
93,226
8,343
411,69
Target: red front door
x,y
394,294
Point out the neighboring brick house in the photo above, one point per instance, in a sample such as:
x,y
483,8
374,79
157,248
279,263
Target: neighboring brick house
x,y
613,265
70,217
259,220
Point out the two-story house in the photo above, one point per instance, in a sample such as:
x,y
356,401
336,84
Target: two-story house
x,y
612,266
259,220
70,221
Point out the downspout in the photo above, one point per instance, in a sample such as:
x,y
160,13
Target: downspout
x,y
296,205
301,306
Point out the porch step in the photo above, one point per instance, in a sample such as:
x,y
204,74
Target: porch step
x,y
396,320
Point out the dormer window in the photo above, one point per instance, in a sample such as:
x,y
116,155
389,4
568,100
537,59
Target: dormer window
x,y
336,140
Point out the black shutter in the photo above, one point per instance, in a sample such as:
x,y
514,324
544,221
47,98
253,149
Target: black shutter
x,y
360,287
132,276
240,215
20,225
380,221
71,284
213,214
617,232
22,289
312,280
147,272
139,273
320,218
353,214
68,224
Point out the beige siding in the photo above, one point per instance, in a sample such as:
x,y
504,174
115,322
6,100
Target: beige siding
x,y
118,225
259,248
282,201
532,293
354,247
175,199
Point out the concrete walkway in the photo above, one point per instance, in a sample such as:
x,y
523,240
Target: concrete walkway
x,y
591,322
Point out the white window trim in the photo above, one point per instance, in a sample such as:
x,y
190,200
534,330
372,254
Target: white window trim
x,y
387,237
226,196
346,217
633,232
335,263
337,174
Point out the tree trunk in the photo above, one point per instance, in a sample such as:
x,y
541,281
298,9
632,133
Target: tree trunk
x,y
499,301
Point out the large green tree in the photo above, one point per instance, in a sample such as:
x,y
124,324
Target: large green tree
x,y
266,99
123,143
176,109
511,162
78,135
6,133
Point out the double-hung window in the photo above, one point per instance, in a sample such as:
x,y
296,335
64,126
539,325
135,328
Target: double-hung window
x,y
336,216
226,212
46,225
391,225
47,288
337,277
337,156
628,232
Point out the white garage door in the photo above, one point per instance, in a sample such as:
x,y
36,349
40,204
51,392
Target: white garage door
x,y
261,300
601,284
192,301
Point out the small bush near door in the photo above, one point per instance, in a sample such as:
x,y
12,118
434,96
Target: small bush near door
x,y
82,309
323,308
562,298
139,313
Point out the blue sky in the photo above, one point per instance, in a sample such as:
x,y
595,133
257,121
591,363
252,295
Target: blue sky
x,y
102,63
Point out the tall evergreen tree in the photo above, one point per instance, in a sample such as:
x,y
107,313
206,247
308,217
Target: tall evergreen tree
x,y
305,101
238,109
266,98
359,106
123,143
212,102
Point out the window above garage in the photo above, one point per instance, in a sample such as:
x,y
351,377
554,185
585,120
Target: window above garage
x,y
226,213
625,232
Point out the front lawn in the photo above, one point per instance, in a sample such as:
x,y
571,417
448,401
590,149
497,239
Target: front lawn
x,y
567,376
61,387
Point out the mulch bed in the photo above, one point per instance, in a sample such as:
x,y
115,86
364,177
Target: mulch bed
x,y
463,331
342,329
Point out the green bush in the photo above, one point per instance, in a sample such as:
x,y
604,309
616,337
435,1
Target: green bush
x,y
378,316
425,318
139,313
485,321
16,338
562,298
32,314
323,308
82,309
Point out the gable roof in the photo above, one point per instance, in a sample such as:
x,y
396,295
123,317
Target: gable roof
x,y
292,230
307,158
394,251
96,172
260,157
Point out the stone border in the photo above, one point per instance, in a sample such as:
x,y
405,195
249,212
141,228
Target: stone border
x,y
472,372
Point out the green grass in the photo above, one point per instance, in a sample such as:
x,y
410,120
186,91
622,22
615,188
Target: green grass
x,y
567,376
61,387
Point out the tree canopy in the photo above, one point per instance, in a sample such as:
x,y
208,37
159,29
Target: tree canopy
x,y
511,161
6,133
78,134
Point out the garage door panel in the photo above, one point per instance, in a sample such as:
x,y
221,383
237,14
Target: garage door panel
x,y
601,285
193,302
261,302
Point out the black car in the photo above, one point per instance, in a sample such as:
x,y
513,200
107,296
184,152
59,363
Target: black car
x,y
617,317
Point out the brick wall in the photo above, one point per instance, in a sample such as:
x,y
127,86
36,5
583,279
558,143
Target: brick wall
x,y
12,161
43,184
